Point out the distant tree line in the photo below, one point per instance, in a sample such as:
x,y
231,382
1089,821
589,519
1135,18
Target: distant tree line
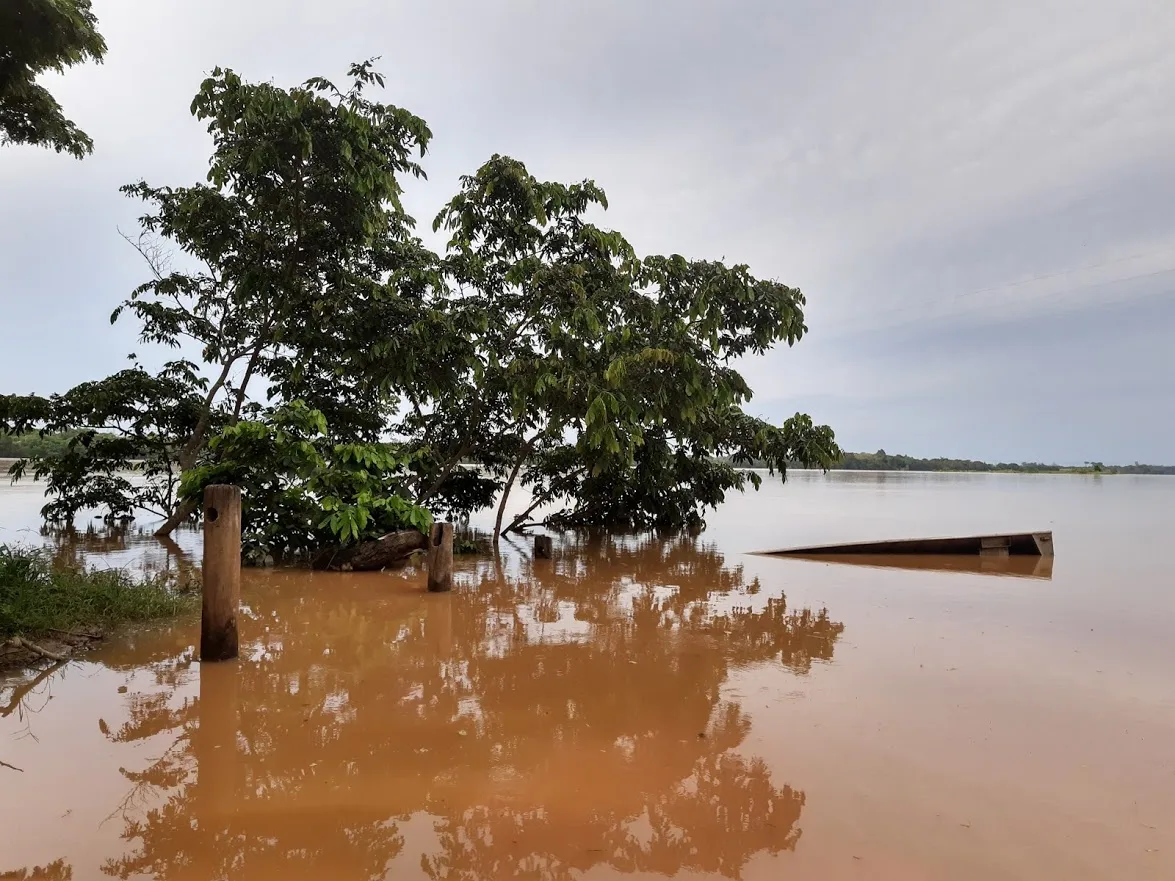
x,y
883,461
31,445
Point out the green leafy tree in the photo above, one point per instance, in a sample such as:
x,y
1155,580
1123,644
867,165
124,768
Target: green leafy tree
x,y
299,277
539,346
602,379
132,421
37,36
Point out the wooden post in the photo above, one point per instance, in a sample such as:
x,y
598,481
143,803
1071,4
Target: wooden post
x,y
440,558
222,573
543,545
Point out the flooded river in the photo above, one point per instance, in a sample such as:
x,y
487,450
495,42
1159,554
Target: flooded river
x,y
639,708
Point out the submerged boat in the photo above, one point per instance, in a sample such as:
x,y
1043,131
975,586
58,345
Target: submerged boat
x,y
1019,566
1028,544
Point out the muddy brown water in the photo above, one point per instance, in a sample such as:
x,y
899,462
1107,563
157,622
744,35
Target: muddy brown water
x,y
639,708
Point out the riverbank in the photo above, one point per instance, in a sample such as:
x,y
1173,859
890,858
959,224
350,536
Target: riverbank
x,y
51,612
882,461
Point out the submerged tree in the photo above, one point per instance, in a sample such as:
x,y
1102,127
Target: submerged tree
x,y
539,346
305,494
299,277
37,36
604,380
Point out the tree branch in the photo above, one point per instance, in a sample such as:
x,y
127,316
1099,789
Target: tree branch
x,y
19,694
152,252
518,462
19,642
545,497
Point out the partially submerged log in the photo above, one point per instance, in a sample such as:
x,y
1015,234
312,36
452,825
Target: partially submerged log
x,y
369,556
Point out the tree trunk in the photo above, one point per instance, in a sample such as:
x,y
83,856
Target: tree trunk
x,y
182,513
509,485
368,556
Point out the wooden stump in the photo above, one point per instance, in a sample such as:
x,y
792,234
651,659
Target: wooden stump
x,y
440,558
543,545
222,573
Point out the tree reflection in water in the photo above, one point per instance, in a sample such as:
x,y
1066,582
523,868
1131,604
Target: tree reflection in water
x,y
58,870
556,717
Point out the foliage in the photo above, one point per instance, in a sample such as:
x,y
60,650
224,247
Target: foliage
x,y
127,425
36,597
601,378
299,224
34,444
37,36
303,282
302,490
539,346
671,485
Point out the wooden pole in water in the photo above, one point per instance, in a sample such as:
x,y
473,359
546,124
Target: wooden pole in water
x,y
543,545
222,573
440,558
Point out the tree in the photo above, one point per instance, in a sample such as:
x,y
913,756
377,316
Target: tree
x,y
600,378
37,36
539,345
130,421
299,275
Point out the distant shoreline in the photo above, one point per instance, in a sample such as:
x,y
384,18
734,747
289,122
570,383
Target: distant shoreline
x,y
882,461
1064,471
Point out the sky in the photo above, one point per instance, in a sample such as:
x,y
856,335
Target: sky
x,y
976,198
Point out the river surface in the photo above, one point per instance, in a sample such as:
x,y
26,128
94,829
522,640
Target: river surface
x,y
639,708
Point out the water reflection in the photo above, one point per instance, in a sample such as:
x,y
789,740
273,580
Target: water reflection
x,y
125,545
58,870
974,564
548,718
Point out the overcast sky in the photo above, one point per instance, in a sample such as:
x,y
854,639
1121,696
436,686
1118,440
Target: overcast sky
x,y
978,198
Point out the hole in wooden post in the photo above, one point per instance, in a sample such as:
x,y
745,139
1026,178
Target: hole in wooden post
x,y
212,514
437,532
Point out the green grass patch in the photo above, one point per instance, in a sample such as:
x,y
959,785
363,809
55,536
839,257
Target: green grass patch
x,y
37,598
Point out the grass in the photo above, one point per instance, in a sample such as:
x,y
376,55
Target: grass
x,y
38,598
471,542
